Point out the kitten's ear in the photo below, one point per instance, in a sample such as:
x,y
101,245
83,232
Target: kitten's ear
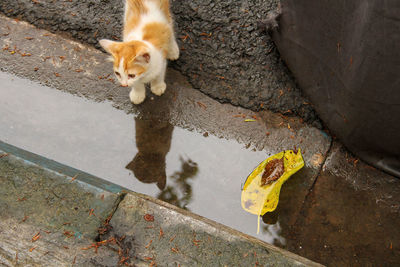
x,y
108,45
143,57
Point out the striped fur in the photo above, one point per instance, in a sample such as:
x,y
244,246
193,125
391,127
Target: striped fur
x,y
148,41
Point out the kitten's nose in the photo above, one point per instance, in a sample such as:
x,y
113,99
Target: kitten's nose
x,y
124,85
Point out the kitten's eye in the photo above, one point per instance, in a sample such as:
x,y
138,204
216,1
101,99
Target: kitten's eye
x,y
131,76
118,74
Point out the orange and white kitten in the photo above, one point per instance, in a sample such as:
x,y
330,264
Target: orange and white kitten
x,y
148,41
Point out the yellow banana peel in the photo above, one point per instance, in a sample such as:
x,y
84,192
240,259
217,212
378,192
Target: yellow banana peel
x,y
260,194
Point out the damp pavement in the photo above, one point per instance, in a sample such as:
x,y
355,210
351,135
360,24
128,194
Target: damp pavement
x,y
182,148
218,40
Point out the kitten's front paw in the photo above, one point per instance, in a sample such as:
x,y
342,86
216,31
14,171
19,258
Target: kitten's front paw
x,y
173,53
159,88
137,97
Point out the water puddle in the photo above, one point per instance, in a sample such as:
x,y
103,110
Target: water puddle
x,y
200,173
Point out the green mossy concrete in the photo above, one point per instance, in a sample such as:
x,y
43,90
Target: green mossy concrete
x,y
179,238
47,218
51,201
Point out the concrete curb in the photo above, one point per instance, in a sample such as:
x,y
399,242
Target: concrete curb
x,y
48,216
183,226
129,216
61,169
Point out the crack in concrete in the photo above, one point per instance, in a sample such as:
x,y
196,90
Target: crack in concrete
x,y
105,224
114,242
57,196
305,201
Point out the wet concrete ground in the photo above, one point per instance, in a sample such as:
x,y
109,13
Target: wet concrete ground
x,y
203,172
350,217
217,41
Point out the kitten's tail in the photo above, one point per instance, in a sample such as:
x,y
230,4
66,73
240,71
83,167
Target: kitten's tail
x,y
164,6
136,5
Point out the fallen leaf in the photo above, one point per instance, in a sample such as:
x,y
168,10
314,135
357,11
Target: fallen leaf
x,y
149,217
260,197
73,178
91,212
317,159
68,234
203,106
123,260
148,245
36,237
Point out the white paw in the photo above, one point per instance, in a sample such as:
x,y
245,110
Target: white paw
x,y
173,53
137,97
159,88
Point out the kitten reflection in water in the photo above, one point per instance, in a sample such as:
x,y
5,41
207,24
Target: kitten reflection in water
x,y
153,140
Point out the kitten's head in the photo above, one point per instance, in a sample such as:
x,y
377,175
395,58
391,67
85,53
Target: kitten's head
x,y
131,59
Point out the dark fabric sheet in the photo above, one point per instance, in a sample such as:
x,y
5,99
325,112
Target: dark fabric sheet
x,y
345,56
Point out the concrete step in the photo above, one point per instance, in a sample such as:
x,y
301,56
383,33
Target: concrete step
x,y
51,218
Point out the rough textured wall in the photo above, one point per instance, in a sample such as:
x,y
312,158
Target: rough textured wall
x,y
223,52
